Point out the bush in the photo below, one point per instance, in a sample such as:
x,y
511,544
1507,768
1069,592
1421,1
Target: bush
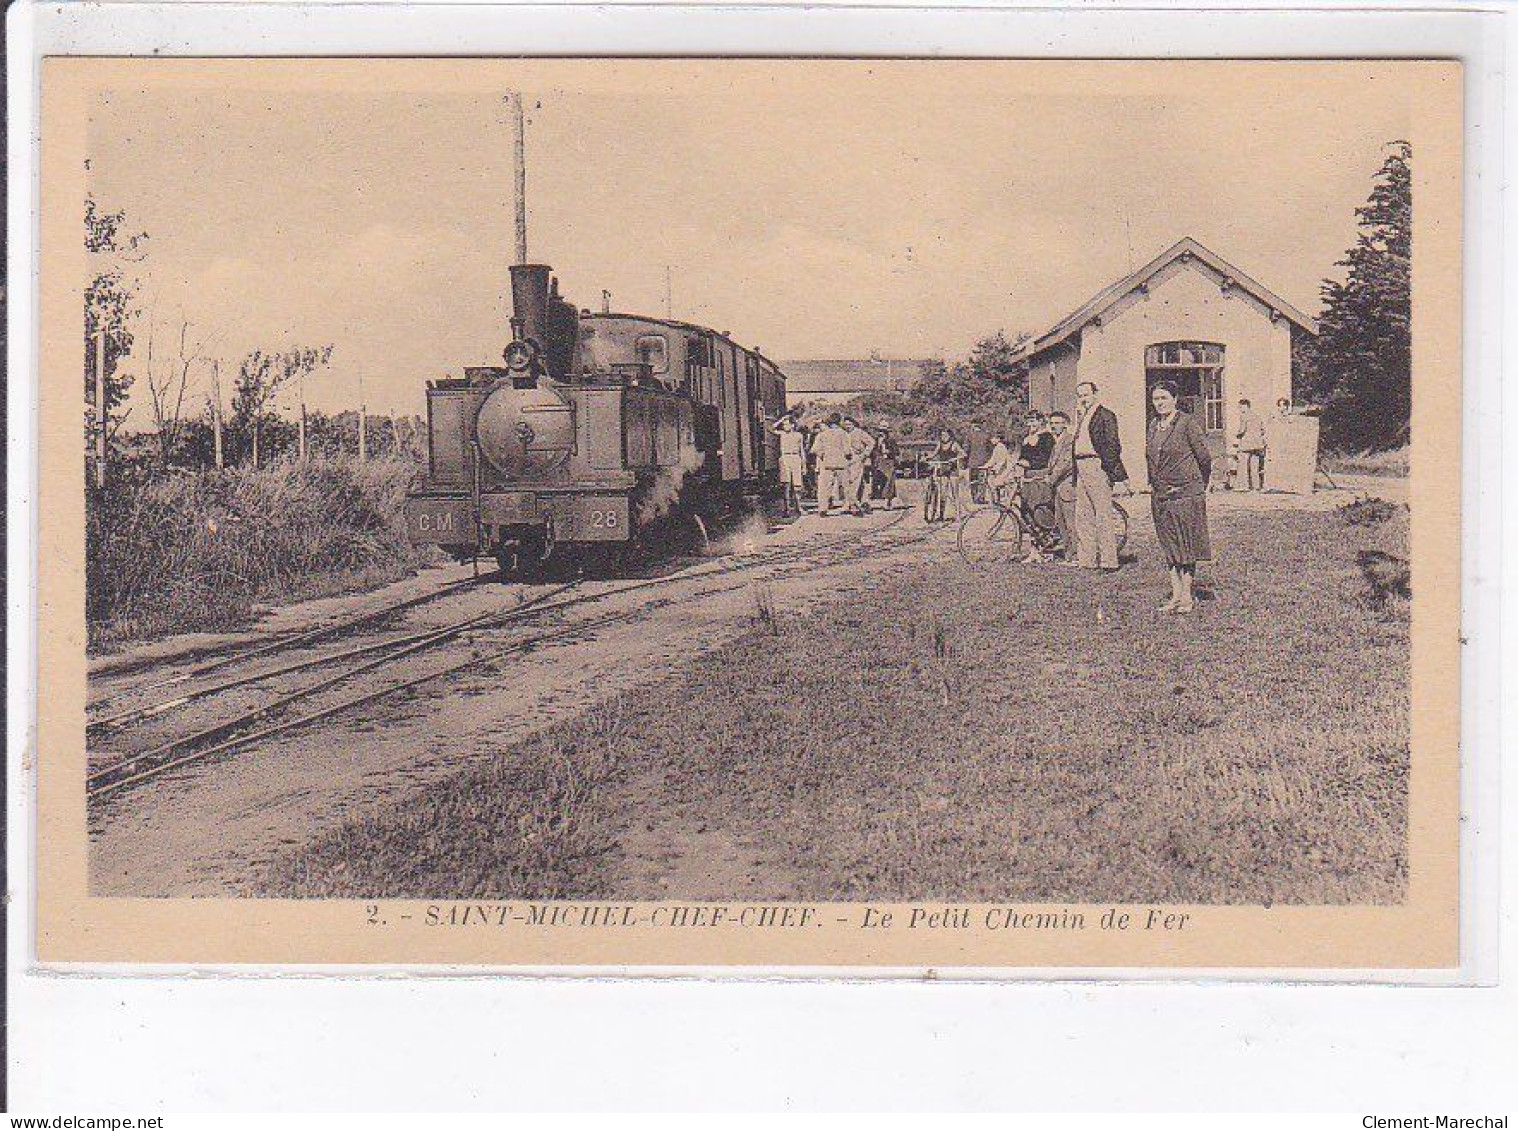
x,y
179,551
1370,511
1390,462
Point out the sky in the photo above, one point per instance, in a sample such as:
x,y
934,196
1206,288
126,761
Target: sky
x,y
812,210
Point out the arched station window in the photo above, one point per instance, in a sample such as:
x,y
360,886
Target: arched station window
x,y
1196,371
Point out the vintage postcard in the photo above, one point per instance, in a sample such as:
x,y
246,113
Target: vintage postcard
x,y
850,514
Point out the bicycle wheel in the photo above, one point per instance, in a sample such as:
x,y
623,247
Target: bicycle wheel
x,y
991,535
1120,524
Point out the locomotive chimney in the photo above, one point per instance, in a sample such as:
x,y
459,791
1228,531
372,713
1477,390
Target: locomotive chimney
x,y
529,301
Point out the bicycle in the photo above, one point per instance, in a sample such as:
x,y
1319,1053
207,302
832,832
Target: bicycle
x,y
980,486
939,491
1015,521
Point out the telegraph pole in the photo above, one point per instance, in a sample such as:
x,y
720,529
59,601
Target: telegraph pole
x,y
100,413
669,300
363,423
302,444
519,169
216,411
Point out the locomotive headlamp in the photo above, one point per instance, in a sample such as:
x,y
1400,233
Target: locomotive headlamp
x,y
518,356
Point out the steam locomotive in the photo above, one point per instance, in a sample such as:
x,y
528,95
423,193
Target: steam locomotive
x,y
599,432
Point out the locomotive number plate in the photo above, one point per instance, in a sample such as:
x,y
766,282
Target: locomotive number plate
x,y
601,518
448,522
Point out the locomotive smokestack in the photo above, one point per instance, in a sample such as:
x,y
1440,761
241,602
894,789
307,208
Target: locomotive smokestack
x,y
529,301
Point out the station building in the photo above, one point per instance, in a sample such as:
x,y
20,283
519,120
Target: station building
x,y
1188,317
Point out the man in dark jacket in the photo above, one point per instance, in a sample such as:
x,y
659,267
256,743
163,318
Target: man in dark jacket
x,y
1099,472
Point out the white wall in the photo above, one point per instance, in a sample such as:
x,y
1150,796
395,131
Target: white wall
x,y
1185,303
1052,378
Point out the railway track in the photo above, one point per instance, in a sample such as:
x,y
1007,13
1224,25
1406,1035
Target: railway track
x,y
241,729
397,644
284,642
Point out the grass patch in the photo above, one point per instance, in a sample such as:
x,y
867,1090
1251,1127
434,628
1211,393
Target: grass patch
x,y
195,551
1392,462
530,819
1038,734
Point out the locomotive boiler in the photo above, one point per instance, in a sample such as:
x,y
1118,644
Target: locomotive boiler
x,y
599,432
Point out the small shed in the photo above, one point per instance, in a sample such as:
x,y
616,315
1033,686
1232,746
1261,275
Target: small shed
x,y
1188,317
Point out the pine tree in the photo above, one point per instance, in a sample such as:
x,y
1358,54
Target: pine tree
x,y
1360,366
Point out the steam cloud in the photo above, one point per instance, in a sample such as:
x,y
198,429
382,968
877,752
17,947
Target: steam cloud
x,y
664,491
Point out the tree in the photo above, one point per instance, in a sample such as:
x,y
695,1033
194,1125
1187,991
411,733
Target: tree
x,y
987,385
110,305
1360,366
168,378
260,377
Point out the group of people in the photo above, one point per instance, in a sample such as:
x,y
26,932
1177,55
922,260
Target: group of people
x,y
1247,452
1077,465
846,465
1074,464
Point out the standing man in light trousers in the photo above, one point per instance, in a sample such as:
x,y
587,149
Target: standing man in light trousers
x,y
1099,473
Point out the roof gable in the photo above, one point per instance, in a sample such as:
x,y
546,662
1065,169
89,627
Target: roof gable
x,y
1185,250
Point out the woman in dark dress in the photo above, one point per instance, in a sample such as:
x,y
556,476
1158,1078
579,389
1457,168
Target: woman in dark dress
x,y
1179,465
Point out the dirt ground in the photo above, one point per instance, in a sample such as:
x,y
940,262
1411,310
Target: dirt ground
x,y
215,828
211,828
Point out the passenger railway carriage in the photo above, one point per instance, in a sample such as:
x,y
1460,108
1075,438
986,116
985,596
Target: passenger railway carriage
x,y
598,432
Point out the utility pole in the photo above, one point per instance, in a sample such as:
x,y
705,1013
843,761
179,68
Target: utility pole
x,y
100,413
669,301
363,423
302,388
519,168
216,411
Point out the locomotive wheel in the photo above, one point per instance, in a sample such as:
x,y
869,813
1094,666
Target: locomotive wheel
x,y
523,560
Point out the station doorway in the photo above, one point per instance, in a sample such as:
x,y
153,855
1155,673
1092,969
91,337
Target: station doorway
x,y
1195,371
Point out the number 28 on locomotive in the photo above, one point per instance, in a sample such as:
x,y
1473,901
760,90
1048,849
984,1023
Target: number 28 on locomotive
x,y
598,432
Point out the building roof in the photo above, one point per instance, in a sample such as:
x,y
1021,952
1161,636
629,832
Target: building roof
x,y
870,375
1072,324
